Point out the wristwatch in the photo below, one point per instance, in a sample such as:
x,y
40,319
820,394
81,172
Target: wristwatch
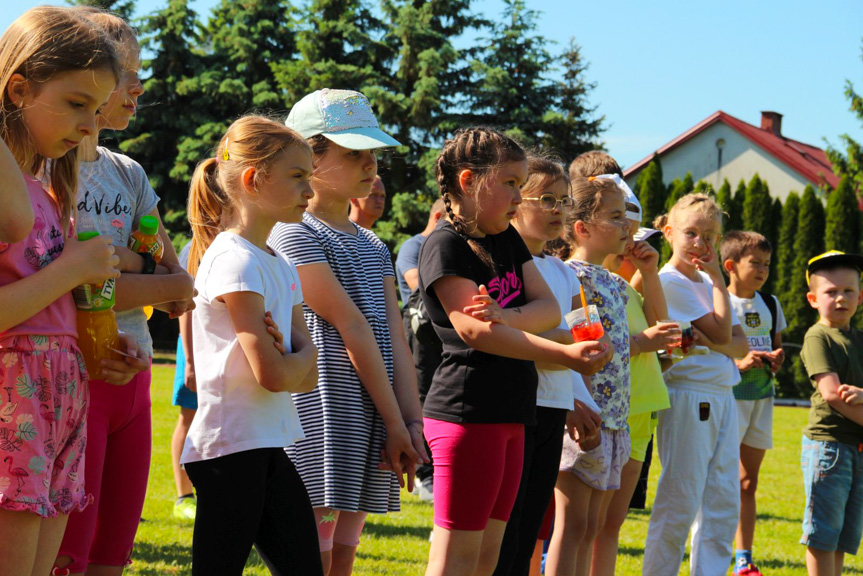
x,y
149,263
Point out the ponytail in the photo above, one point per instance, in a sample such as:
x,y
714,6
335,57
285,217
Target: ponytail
x,y
207,202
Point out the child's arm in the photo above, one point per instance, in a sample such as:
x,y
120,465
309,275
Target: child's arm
x,y
646,258
851,394
16,218
325,295
301,340
189,379
89,262
541,312
273,370
716,325
455,293
828,384
738,347
171,288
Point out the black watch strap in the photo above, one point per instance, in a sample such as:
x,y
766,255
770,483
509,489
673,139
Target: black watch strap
x,y
149,263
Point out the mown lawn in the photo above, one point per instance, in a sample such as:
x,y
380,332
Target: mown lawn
x,y
398,544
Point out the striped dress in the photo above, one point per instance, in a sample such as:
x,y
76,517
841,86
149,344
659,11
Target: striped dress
x,y
338,459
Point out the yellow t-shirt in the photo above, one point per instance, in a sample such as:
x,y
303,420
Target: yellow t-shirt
x,y
648,391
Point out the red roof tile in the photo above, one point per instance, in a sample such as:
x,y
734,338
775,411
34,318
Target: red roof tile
x,y
808,161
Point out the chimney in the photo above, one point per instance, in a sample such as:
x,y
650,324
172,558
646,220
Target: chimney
x,y
772,122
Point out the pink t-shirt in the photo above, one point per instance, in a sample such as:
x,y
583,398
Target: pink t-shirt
x,y
41,247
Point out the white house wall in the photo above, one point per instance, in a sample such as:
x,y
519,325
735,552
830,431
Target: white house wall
x,y
741,159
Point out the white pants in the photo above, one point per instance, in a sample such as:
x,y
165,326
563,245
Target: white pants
x,y
699,488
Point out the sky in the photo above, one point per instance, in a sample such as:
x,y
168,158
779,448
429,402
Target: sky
x,y
663,66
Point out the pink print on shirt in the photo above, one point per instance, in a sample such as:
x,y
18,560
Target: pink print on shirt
x,y
505,288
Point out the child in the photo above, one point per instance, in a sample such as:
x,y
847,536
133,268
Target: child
x,y
57,72
648,394
831,457
540,218
590,466
746,260
114,194
366,399
245,413
486,299
697,437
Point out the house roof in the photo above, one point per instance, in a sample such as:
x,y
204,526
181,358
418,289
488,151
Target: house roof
x,y
808,161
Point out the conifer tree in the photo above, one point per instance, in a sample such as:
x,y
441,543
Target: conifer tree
x,y
783,251
850,162
122,8
726,203
808,243
843,218
773,238
651,190
735,212
757,207
678,189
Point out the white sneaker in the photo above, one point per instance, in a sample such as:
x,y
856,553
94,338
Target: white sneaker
x,y
426,491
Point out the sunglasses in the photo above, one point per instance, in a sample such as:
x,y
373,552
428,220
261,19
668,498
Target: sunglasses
x,y
549,202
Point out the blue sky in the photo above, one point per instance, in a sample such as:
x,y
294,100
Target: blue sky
x,y
661,67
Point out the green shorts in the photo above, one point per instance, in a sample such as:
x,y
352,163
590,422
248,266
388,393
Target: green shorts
x,y
641,429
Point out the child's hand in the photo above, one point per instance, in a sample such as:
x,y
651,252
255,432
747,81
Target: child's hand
x,y
851,394
273,329
582,422
644,256
588,357
775,358
399,455
752,360
660,337
91,261
486,308
120,372
709,263
590,442
189,379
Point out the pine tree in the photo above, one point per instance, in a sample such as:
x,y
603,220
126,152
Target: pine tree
x,y
678,189
843,218
735,212
773,238
757,207
571,127
850,162
808,243
725,201
651,191
783,251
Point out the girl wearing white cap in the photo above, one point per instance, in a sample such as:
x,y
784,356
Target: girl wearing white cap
x,y
366,404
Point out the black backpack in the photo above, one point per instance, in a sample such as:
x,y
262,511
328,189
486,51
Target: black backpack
x,y
417,319
771,305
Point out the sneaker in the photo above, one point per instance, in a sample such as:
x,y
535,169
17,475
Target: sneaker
x,y
748,570
426,490
185,508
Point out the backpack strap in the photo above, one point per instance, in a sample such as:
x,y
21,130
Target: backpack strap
x,y
771,306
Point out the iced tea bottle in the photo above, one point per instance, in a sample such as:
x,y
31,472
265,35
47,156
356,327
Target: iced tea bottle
x,y
146,240
97,324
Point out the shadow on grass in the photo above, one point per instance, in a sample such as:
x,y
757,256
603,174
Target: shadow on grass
x,y
394,531
172,553
779,518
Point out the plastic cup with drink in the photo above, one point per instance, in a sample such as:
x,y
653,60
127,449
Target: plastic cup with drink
x,y
585,324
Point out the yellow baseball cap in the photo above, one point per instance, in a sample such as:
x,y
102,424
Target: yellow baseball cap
x,y
832,259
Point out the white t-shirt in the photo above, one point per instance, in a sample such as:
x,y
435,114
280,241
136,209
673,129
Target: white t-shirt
x,y
757,323
556,387
688,301
235,413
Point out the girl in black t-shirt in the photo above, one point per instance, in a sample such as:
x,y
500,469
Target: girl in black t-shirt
x,y
486,300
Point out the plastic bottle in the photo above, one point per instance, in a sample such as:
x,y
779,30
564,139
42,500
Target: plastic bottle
x,y
146,240
97,324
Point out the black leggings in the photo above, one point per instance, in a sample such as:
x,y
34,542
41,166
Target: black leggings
x,y
250,498
542,446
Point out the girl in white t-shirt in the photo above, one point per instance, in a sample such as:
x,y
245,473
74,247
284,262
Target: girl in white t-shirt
x,y
248,490
697,438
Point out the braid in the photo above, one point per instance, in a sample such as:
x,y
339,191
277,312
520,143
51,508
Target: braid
x,y
480,150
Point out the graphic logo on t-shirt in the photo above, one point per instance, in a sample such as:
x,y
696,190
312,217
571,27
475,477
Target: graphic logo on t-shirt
x,y
504,288
753,319
48,244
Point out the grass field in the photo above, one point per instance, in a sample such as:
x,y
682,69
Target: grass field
x,y
398,544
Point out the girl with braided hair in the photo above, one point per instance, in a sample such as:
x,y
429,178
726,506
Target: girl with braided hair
x,y
487,300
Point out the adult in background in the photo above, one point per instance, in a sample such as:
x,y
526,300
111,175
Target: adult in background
x,y
427,348
366,211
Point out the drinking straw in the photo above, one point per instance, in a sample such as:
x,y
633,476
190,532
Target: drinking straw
x,y
583,299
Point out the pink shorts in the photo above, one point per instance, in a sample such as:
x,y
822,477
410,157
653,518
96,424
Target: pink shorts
x,y
599,467
477,470
43,432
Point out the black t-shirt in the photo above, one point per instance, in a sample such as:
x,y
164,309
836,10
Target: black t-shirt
x,y
469,385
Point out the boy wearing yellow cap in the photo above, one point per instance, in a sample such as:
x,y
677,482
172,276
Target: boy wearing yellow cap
x,y
832,445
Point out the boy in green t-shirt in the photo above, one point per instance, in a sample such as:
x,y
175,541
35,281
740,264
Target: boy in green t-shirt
x,y
832,446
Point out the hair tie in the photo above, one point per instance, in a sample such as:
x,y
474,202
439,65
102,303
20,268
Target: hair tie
x,y
226,156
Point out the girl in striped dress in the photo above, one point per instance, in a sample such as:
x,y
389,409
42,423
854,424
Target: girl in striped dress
x,y
366,403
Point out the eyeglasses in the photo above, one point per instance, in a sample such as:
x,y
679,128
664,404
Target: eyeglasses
x,y
549,202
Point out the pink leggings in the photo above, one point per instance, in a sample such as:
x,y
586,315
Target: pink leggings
x,y
119,439
477,470
339,526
